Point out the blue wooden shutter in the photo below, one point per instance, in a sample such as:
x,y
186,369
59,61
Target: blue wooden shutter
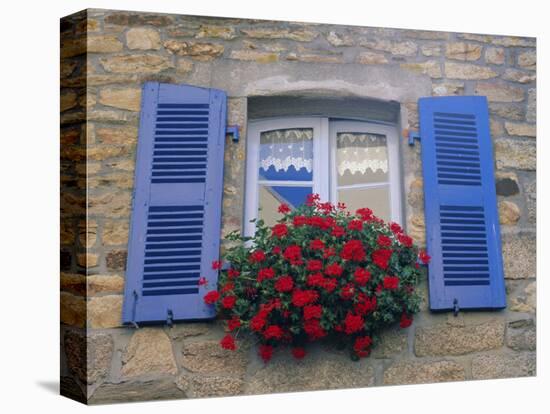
x,y
176,215
462,226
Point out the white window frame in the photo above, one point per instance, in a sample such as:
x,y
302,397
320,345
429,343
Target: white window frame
x,y
324,160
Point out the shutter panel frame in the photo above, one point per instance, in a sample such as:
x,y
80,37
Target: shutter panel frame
x,y
460,204
176,204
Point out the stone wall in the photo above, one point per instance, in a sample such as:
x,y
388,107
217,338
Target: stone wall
x,y
106,55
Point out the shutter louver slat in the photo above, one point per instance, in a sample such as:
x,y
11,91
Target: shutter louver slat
x,y
176,215
462,227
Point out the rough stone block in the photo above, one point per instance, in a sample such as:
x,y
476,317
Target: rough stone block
x,y
519,252
142,38
509,365
454,70
105,311
130,391
441,340
207,356
413,372
521,335
517,154
149,352
314,372
508,212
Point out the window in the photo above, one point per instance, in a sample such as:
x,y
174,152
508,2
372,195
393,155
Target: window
x,y
353,162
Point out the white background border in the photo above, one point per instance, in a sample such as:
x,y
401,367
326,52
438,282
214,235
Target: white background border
x,y
29,224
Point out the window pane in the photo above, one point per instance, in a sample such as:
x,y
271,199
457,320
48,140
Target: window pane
x,y
361,158
377,199
286,154
272,196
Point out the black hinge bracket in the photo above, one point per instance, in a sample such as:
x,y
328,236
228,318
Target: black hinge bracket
x,y
412,136
169,318
233,130
456,309
134,305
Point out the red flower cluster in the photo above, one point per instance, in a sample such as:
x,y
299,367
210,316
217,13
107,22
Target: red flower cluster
x,y
353,250
381,258
320,270
257,256
391,282
293,254
304,297
265,273
284,284
362,346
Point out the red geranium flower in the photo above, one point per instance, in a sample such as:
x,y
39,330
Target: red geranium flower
x,y
341,206
353,250
228,342
391,282
424,257
257,256
284,284
298,352
279,230
353,323
361,346
314,265
273,331
227,287
329,284
265,273
355,225
313,329
202,281
312,312
334,270
396,228
364,213
217,264
338,231
325,208
405,240
211,297
229,301
293,254
317,245
381,258
233,273
233,323
276,250
257,322
362,276
383,241
347,291
329,252
266,352
283,208
304,297
365,304
312,199
299,221
406,320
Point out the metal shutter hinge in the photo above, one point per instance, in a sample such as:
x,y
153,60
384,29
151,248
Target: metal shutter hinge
x,y
456,309
412,136
233,130
134,305
169,318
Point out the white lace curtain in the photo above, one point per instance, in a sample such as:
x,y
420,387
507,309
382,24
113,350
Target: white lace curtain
x,y
356,152
287,147
361,153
